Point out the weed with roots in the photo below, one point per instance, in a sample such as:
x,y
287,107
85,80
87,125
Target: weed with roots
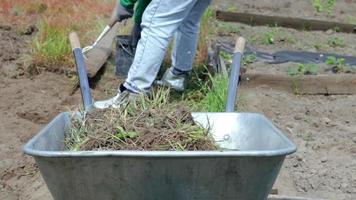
x,y
147,123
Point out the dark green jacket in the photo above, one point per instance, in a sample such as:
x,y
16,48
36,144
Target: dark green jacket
x,y
139,7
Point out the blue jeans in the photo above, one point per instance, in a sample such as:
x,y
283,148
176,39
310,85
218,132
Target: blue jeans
x,y
162,20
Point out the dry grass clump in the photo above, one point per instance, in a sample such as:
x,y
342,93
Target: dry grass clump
x,y
145,124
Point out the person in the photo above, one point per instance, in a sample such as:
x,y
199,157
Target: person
x,y
125,9
161,20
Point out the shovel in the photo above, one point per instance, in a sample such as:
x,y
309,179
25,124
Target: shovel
x,y
96,54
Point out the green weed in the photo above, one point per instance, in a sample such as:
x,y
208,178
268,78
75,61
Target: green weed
x,y
225,28
338,65
51,45
303,69
320,46
212,95
330,6
272,37
321,5
297,72
336,42
269,37
318,5
249,58
226,56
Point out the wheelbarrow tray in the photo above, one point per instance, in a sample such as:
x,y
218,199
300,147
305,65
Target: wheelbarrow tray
x,y
246,170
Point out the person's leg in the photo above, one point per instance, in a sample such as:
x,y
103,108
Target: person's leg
x,y
185,45
186,39
160,21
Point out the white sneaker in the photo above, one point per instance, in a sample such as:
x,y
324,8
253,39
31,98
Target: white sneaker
x,y
116,101
176,82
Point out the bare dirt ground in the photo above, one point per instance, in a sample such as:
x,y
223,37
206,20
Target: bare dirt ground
x,y
26,105
323,127
344,10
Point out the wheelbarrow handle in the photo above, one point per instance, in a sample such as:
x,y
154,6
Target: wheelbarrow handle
x,y
82,71
235,74
240,45
74,40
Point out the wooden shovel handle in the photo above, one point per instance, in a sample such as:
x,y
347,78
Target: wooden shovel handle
x,y
113,18
74,40
240,45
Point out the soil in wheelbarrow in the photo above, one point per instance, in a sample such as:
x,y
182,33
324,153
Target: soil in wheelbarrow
x,y
148,123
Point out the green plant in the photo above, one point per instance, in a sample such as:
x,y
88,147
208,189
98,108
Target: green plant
x,y
215,94
51,44
336,42
249,58
303,69
318,5
268,37
210,94
272,36
226,56
330,6
224,28
320,46
338,65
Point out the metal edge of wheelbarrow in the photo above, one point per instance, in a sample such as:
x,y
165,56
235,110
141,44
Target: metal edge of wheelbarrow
x,y
289,148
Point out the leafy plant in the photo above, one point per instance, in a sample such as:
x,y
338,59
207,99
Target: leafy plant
x,y
249,58
318,5
268,37
336,42
273,36
338,65
330,6
303,69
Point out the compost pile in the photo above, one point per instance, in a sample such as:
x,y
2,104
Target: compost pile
x,y
146,124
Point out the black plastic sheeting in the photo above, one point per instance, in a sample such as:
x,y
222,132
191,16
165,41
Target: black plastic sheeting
x,y
125,52
288,56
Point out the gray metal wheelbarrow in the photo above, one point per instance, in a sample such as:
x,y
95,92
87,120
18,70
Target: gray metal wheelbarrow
x,y
246,170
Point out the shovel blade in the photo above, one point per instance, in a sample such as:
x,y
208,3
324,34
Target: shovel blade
x,y
98,55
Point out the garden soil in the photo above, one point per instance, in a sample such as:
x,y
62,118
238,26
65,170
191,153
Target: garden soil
x,y
323,127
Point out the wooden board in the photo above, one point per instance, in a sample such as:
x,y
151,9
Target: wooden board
x,y
307,84
289,22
